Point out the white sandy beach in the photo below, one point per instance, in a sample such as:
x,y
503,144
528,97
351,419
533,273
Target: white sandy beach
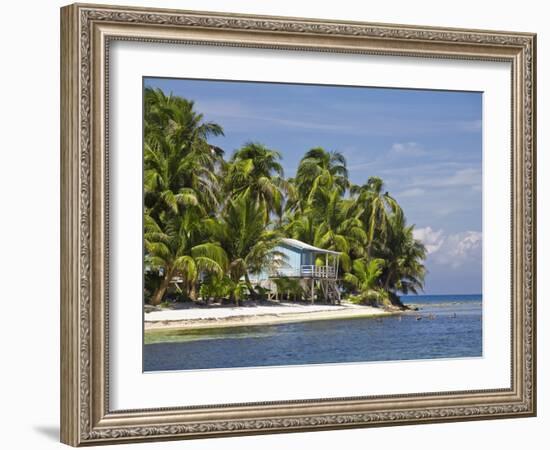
x,y
221,316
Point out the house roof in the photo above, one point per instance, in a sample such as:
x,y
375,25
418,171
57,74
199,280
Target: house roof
x,y
303,246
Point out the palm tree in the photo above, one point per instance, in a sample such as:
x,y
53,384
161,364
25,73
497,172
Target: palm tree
x,y
179,162
339,226
181,188
179,248
331,222
404,270
175,116
377,207
320,169
256,169
365,279
301,226
246,239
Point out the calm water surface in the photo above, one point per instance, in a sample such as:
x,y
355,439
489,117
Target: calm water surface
x,y
450,327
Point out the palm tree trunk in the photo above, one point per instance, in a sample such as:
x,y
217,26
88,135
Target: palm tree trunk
x,y
387,281
161,290
232,296
394,300
193,291
249,286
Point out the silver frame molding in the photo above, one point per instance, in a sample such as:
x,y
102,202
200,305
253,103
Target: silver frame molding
x,y
86,32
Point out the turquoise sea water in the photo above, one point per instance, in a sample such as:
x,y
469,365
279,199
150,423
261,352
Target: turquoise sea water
x,y
445,326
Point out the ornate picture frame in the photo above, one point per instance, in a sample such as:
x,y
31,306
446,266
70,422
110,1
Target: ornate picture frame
x,y
86,34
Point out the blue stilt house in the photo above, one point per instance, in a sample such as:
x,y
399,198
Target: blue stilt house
x,y
314,267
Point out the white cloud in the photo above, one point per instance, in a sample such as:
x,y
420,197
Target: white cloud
x,y
408,193
469,177
431,239
454,250
469,125
243,116
464,244
464,177
407,149
248,115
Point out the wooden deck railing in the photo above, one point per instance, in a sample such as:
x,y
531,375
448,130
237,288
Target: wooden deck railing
x,y
308,271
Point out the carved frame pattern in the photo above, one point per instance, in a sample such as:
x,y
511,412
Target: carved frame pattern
x,y
85,416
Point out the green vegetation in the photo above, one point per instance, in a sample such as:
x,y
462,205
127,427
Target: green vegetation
x,y
212,222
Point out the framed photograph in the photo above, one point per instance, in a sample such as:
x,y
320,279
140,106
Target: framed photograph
x,y
276,224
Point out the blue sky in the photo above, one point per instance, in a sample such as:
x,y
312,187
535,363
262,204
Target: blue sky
x,y
425,145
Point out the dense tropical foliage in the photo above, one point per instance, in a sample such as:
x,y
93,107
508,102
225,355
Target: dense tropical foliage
x,y
211,222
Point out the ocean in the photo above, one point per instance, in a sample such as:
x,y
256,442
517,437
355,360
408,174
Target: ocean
x,y
445,326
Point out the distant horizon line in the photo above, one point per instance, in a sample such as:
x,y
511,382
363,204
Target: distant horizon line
x,y
453,293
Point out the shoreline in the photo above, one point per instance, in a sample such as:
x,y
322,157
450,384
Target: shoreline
x,y
226,317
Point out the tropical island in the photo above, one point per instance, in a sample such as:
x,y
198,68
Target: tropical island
x,y
232,241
